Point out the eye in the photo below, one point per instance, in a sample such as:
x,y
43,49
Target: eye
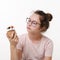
x,y
34,22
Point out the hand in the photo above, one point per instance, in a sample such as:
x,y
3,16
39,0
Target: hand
x,y
12,36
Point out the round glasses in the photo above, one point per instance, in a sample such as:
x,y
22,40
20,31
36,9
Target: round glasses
x,y
33,23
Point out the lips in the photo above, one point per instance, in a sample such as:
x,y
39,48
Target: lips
x,y
28,28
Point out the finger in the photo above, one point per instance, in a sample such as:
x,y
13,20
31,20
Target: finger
x,y
10,31
10,34
15,37
15,40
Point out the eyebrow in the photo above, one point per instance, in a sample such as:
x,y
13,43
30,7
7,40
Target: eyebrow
x,y
32,19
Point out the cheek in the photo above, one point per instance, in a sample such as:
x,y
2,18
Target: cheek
x,y
36,29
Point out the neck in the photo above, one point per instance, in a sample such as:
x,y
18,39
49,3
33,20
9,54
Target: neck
x,y
35,36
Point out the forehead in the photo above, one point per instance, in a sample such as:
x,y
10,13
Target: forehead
x,y
34,16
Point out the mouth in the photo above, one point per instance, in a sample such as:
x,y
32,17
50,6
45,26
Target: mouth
x,y
28,28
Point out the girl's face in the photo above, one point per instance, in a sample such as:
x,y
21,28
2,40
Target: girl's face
x,y
33,23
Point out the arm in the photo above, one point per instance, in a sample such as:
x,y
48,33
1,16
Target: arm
x,y
48,51
15,54
13,39
19,54
48,58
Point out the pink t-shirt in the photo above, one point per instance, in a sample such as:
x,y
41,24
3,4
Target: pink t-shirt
x,y
32,51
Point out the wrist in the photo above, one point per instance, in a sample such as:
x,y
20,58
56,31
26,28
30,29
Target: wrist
x,y
12,46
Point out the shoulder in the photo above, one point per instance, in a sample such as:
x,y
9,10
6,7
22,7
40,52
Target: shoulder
x,y
47,41
48,46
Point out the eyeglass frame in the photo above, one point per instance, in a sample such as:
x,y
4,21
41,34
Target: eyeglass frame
x,y
33,23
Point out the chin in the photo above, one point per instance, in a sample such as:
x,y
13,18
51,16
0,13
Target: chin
x,y
29,31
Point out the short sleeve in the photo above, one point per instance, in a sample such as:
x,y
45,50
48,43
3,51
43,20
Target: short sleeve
x,y
49,48
20,42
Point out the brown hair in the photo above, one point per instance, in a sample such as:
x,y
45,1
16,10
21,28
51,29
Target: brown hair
x,y
45,18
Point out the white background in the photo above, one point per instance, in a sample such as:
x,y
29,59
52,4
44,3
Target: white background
x,y
14,12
